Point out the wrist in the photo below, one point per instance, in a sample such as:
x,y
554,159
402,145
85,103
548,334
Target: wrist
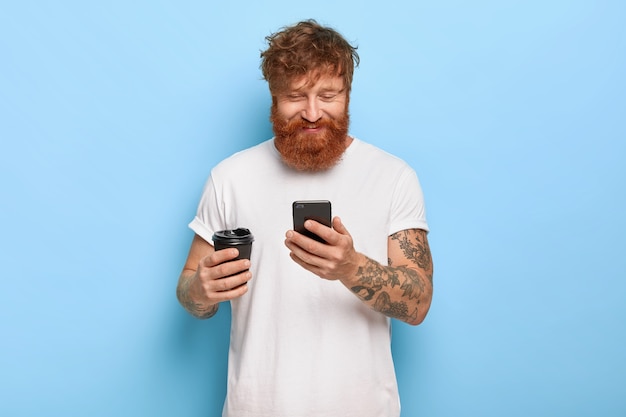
x,y
190,300
356,265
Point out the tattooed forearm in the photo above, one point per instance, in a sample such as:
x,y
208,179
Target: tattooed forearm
x,y
196,309
376,281
376,277
403,288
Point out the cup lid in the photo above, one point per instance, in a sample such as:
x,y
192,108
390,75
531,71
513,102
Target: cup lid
x,y
237,236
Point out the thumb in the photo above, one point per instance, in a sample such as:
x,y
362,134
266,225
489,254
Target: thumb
x,y
339,227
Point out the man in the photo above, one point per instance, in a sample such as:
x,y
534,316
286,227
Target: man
x,y
310,329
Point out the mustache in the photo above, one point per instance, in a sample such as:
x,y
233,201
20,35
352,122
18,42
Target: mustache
x,y
296,125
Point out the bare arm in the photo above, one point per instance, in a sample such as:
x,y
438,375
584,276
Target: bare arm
x,y
208,278
403,289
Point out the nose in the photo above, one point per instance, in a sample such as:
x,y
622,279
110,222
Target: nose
x,y
312,111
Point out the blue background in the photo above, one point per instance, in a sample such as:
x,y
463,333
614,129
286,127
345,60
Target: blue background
x,y
512,113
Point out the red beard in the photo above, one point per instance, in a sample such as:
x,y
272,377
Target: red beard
x,y
310,151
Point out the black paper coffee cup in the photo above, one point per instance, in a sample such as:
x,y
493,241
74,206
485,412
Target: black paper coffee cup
x,y
239,238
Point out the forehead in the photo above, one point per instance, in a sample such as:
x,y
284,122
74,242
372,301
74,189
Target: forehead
x,y
319,82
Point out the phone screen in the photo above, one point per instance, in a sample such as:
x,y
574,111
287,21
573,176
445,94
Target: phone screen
x,y
318,210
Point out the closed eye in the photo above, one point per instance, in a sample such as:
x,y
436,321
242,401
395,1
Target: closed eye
x,y
328,97
295,97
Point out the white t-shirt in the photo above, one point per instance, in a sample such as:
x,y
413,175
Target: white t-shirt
x,y
302,346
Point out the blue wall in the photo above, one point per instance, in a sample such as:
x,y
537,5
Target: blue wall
x,y
512,113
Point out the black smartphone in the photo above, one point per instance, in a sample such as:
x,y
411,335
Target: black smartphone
x,y
318,210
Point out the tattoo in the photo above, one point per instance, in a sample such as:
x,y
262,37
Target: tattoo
x,y
417,251
196,309
378,281
360,289
393,309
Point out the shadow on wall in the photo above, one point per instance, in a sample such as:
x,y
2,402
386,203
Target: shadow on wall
x,y
243,121
260,129
200,355
198,349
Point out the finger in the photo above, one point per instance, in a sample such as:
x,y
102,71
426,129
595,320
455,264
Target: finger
x,y
230,294
228,268
317,270
319,229
295,240
308,255
229,283
219,257
302,263
303,246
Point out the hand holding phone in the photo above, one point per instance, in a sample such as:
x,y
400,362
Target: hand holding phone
x,y
318,210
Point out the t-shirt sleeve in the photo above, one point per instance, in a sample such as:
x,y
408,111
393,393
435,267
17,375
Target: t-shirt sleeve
x,y
209,216
408,210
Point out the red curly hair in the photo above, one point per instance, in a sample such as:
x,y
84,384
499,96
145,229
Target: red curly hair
x,y
307,48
